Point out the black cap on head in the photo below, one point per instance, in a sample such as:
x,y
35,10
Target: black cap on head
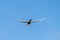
x,y
30,20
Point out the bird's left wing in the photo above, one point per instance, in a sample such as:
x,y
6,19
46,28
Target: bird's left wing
x,y
35,21
24,21
38,20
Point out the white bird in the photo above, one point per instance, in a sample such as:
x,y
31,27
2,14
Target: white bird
x,y
31,21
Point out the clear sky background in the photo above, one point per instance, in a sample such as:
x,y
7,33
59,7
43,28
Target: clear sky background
x,y
13,10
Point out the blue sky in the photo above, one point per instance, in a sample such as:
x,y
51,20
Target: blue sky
x,y
13,10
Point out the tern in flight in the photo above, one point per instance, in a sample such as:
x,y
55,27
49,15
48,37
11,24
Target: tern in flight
x,y
31,21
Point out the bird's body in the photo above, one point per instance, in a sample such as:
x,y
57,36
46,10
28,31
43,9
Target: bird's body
x,y
29,22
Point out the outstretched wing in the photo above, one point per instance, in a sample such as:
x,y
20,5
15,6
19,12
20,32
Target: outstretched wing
x,y
35,21
22,21
38,20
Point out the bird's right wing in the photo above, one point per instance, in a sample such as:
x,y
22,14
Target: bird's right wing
x,y
24,21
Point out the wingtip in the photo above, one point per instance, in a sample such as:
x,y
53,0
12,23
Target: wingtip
x,y
42,19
